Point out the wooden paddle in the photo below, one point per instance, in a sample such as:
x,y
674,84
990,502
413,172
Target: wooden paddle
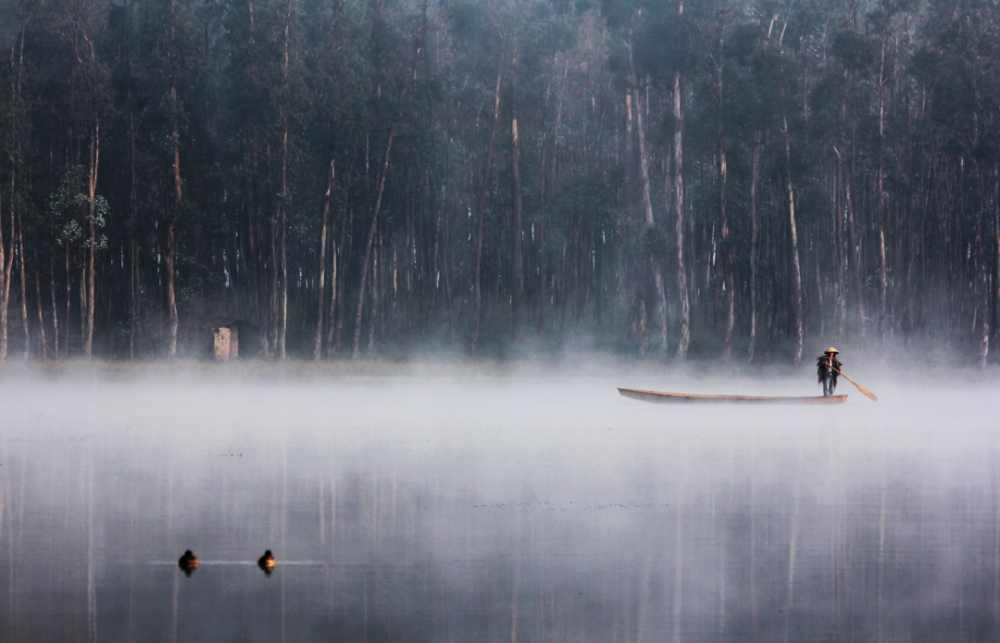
x,y
863,390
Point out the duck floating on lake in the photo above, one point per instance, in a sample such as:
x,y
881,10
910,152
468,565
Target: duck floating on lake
x,y
267,562
188,563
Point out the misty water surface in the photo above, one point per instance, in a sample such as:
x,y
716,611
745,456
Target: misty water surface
x,y
521,507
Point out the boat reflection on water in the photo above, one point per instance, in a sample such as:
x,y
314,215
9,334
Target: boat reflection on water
x,y
188,563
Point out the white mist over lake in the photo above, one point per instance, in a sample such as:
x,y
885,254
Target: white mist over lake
x,y
506,504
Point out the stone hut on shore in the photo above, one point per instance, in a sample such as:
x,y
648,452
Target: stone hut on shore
x,y
237,339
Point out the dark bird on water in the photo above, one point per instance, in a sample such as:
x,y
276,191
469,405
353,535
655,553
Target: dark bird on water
x,y
188,563
267,562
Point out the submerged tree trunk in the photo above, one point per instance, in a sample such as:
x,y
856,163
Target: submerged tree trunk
x,y
793,547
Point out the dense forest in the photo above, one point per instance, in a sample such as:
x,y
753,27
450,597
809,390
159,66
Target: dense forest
x,y
734,180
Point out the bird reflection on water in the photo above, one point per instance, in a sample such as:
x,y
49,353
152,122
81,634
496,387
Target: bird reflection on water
x,y
188,563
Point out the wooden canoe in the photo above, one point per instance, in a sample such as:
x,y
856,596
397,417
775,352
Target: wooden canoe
x,y
656,396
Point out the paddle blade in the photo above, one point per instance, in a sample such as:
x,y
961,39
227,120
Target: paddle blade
x,y
863,390
867,393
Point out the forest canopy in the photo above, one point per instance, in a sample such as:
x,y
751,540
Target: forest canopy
x,y
730,180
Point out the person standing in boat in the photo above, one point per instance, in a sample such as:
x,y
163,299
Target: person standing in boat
x,y
828,369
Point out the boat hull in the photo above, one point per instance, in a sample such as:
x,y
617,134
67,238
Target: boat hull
x,y
656,396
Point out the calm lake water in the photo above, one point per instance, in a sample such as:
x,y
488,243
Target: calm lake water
x,y
509,508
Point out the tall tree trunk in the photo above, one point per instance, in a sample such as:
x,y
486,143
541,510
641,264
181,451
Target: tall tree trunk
x,y
274,293
883,280
515,165
681,219
55,309
727,249
95,152
321,284
133,240
24,287
983,295
754,243
996,248
796,268
548,180
17,170
837,230
177,196
418,44
480,205
477,284
171,247
359,310
69,295
7,254
6,259
341,251
819,292
283,201
42,339
880,198
855,251
282,327
647,203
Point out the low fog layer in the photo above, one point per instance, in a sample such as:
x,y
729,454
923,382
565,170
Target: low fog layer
x,y
519,504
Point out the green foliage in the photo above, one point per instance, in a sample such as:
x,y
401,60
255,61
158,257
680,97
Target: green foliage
x,y
69,211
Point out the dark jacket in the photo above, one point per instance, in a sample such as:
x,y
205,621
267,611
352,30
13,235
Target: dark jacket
x,y
823,367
